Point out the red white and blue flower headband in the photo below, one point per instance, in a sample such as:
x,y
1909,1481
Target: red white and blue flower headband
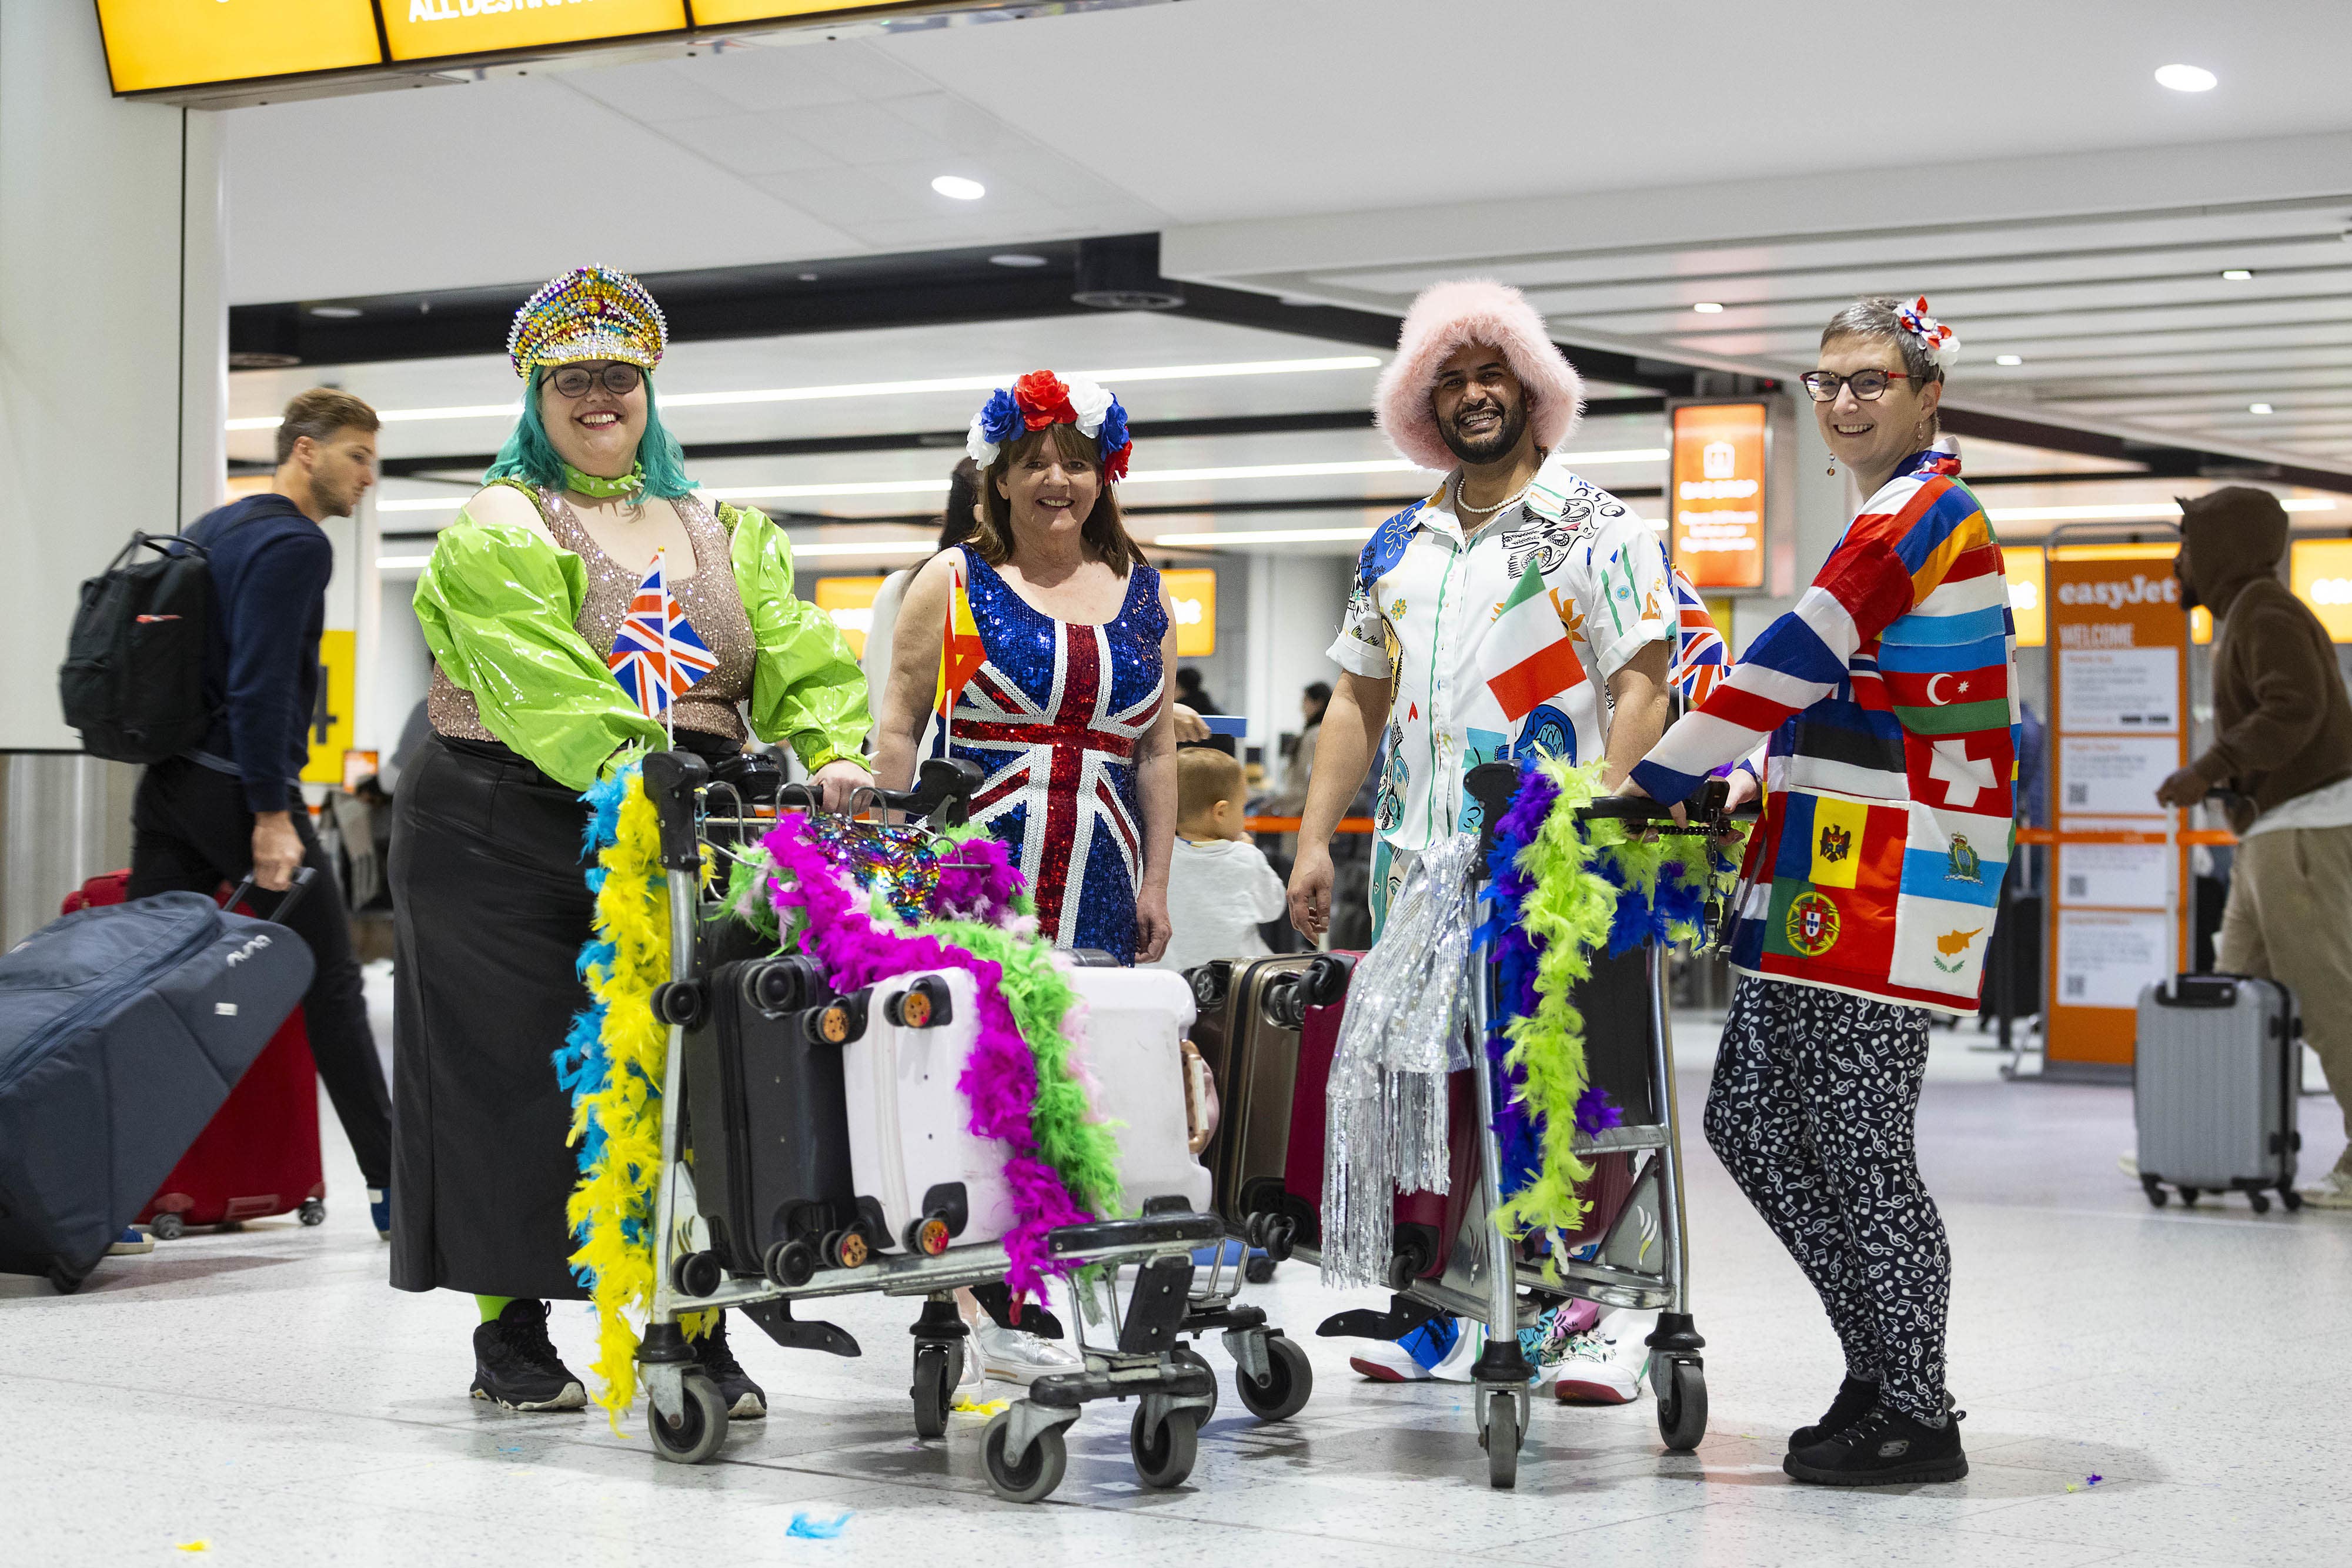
x,y
1041,398
1942,344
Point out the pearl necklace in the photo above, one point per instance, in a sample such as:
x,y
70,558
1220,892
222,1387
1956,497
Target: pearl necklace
x,y
1462,505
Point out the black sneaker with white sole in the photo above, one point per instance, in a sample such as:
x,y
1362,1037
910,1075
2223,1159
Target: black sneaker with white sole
x,y
746,1400
1854,1399
515,1364
1883,1448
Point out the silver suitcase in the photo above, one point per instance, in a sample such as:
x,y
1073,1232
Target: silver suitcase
x,y
2219,1071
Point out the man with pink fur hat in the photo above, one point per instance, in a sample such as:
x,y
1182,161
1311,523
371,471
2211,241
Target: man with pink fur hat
x,y
1487,622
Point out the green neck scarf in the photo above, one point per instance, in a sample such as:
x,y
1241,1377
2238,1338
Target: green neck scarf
x,y
628,484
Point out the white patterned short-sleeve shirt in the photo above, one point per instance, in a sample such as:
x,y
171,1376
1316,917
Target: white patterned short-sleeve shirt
x,y
1422,601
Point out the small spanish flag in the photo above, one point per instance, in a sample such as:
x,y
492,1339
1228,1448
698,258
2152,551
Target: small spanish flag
x,y
961,652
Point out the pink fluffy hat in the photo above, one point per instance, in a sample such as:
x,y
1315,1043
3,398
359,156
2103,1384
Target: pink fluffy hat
x,y
1472,310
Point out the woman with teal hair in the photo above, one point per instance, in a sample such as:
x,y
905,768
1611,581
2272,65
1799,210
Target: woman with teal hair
x,y
530,703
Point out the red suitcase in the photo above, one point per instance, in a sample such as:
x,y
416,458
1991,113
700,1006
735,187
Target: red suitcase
x,y
1425,1222
259,1157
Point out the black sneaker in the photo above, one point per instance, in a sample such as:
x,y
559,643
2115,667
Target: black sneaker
x,y
515,1364
746,1401
1883,1448
1854,1399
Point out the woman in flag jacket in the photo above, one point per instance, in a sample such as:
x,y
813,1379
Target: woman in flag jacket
x,y
580,607
1889,697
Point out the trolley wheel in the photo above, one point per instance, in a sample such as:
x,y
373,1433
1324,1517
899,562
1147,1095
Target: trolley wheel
x,y
1289,1379
699,1273
1258,1270
845,1248
312,1212
790,1263
1680,1387
1164,1454
168,1227
1281,1235
2287,1195
927,1237
1040,1469
2188,1198
2261,1204
2157,1197
696,1434
1185,1355
1501,1440
934,1390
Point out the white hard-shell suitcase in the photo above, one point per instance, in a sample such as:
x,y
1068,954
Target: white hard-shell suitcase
x,y
2218,1068
1134,1026
910,1146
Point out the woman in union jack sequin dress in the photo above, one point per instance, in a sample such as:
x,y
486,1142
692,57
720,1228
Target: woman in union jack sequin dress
x,y
1057,674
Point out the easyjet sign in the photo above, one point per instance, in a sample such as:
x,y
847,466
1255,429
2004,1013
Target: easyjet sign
x,y
2117,594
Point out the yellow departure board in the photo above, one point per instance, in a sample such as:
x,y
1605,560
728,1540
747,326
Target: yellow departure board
x,y
718,13
430,29
178,43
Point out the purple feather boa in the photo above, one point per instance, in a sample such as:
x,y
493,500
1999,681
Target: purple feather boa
x,y
978,883
1514,956
1000,1078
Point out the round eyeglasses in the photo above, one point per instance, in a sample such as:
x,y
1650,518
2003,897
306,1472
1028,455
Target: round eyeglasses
x,y
619,378
1868,385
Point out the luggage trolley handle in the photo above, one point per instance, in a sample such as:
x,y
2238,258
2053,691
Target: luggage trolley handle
x,y
303,876
942,793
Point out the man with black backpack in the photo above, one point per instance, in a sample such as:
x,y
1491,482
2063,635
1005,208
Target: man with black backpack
x,y
232,803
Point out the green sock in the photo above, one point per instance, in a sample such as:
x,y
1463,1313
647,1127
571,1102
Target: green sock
x,y
492,1306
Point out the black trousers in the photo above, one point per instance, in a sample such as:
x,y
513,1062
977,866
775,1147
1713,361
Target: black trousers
x,y
191,832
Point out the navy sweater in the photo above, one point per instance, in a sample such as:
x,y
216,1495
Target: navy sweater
x,y
269,566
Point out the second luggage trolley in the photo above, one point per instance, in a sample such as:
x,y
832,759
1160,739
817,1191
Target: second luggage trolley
x,y
763,1275
1640,1259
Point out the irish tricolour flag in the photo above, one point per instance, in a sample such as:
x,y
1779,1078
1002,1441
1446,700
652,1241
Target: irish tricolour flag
x,y
1527,658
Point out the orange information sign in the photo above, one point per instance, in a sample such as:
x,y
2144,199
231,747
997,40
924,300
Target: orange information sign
x,y
2118,726
850,602
1192,589
2321,574
428,29
1717,493
172,43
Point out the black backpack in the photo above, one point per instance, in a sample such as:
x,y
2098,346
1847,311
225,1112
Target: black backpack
x,y
133,679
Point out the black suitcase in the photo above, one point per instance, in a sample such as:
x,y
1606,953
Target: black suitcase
x,y
767,1130
122,1029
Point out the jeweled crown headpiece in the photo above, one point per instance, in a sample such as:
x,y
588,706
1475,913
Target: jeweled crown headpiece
x,y
1041,398
588,313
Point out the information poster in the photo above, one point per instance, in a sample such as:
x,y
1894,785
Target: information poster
x,y
1193,593
172,43
850,602
1717,494
426,29
2118,639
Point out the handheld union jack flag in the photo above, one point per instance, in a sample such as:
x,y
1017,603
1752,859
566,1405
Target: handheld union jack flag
x,y
1700,658
657,655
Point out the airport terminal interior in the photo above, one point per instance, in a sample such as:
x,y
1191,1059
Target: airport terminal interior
x,y
1951,497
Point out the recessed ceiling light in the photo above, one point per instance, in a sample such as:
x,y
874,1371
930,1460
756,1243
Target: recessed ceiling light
x,y
2235,275
2258,408
958,188
2008,359
1018,258
1708,307
336,312
2186,78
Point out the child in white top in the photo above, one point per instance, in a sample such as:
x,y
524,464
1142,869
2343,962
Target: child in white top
x,y
1220,889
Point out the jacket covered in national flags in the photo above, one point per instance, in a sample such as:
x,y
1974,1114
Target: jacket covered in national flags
x,y
1890,696
499,606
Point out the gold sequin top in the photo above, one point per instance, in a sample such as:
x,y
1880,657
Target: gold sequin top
x,y
710,598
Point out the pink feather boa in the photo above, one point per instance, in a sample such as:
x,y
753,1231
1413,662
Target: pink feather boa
x,y
1000,1080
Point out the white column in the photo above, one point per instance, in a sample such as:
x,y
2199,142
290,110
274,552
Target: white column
x,y
1295,602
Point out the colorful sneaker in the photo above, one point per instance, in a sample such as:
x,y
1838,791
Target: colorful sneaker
x,y
1603,1365
1409,1359
2334,1191
515,1364
131,1241
1459,1364
1009,1355
746,1400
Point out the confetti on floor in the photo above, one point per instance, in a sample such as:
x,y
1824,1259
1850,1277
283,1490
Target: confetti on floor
x,y
2093,1480
988,1407
809,1527
194,1546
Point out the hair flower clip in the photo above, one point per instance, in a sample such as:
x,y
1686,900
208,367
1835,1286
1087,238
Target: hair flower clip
x,y
1942,344
1041,398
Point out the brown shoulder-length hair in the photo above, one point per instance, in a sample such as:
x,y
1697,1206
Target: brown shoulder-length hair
x,y
1104,530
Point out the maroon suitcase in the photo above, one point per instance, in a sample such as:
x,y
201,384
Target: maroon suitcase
x,y
259,1157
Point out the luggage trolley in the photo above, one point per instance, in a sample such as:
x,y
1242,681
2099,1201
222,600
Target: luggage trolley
x,y
1023,1446
1614,1271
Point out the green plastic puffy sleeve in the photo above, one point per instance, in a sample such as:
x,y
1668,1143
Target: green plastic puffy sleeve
x,y
497,604
808,690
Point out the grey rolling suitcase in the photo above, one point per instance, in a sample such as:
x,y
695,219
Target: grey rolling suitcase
x,y
2218,1068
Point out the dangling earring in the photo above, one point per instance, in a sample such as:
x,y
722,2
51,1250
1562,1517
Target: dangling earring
x,y
1832,469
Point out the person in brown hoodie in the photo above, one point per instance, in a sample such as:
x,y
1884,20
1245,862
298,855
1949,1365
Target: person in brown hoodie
x,y
2283,747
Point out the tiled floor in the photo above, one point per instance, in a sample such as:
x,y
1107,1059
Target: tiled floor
x,y
262,1393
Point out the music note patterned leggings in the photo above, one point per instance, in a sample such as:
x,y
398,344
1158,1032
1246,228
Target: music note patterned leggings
x,y
1811,1111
